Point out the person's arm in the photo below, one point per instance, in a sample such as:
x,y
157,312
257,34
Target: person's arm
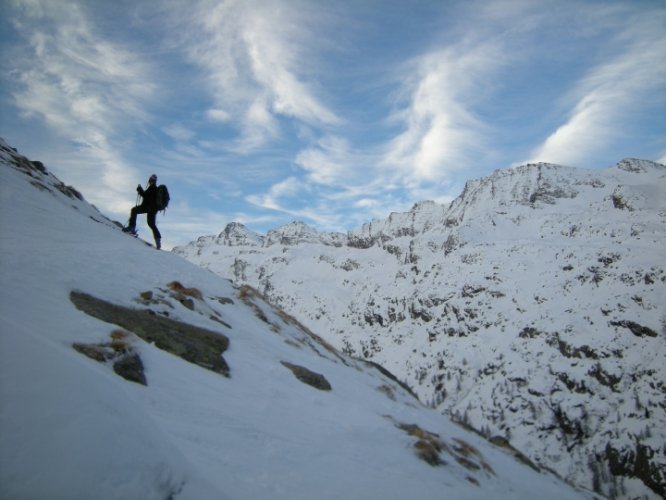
x,y
139,190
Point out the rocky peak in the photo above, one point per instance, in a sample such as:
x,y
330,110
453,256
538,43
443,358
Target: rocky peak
x,y
298,232
236,234
423,216
635,165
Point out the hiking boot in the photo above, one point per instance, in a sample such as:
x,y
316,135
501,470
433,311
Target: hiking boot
x,y
129,229
158,243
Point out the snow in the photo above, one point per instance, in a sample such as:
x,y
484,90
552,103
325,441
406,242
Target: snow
x,y
71,428
502,308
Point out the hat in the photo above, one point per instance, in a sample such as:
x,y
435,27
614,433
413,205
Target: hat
x,y
153,179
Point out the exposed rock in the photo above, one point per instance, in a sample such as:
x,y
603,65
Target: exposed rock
x,y
126,361
637,463
635,328
316,380
194,344
130,367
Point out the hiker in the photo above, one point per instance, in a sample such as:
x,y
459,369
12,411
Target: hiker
x,y
148,206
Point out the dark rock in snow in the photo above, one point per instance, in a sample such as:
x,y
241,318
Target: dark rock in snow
x,y
316,380
194,344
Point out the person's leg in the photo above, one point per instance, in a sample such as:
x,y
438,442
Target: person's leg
x,y
156,232
131,226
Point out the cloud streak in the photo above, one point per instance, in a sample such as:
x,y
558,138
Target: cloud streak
x,y
254,58
611,93
84,87
441,129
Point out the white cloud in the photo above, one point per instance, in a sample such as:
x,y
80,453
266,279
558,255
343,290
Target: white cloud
x,y
178,132
83,87
283,189
254,56
294,198
441,131
662,159
611,93
330,162
219,115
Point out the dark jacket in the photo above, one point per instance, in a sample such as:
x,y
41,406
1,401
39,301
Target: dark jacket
x,y
149,197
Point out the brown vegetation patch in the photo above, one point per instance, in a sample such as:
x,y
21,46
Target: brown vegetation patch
x,y
176,286
431,448
428,452
126,361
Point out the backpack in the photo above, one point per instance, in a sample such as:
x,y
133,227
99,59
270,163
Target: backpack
x,y
162,199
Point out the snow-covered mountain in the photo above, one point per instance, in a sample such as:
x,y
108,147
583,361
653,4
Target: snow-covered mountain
x,y
129,373
531,308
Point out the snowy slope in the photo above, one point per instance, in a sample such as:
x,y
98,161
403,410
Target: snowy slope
x,y
532,308
71,427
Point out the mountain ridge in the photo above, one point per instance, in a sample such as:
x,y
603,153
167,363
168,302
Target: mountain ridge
x,y
531,306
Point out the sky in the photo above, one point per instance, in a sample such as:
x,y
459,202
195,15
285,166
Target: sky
x,y
266,112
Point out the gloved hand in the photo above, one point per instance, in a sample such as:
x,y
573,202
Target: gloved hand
x,y
138,188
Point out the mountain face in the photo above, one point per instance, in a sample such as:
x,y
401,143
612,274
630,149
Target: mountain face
x,y
531,308
131,373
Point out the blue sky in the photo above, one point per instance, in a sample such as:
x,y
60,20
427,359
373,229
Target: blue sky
x,y
329,112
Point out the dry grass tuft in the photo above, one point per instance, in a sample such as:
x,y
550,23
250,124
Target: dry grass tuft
x,y
465,449
120,352
246,292
178,287
120,340
428,452
418,432
470,457
430,448
119,343
428,445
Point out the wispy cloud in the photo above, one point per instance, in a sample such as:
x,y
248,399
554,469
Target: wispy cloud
x,y
611,93
441,129
662,159
254,57
82,86
440,133
280,198
272,200
331,162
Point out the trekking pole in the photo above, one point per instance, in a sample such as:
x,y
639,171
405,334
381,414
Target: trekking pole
x,y
136,204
